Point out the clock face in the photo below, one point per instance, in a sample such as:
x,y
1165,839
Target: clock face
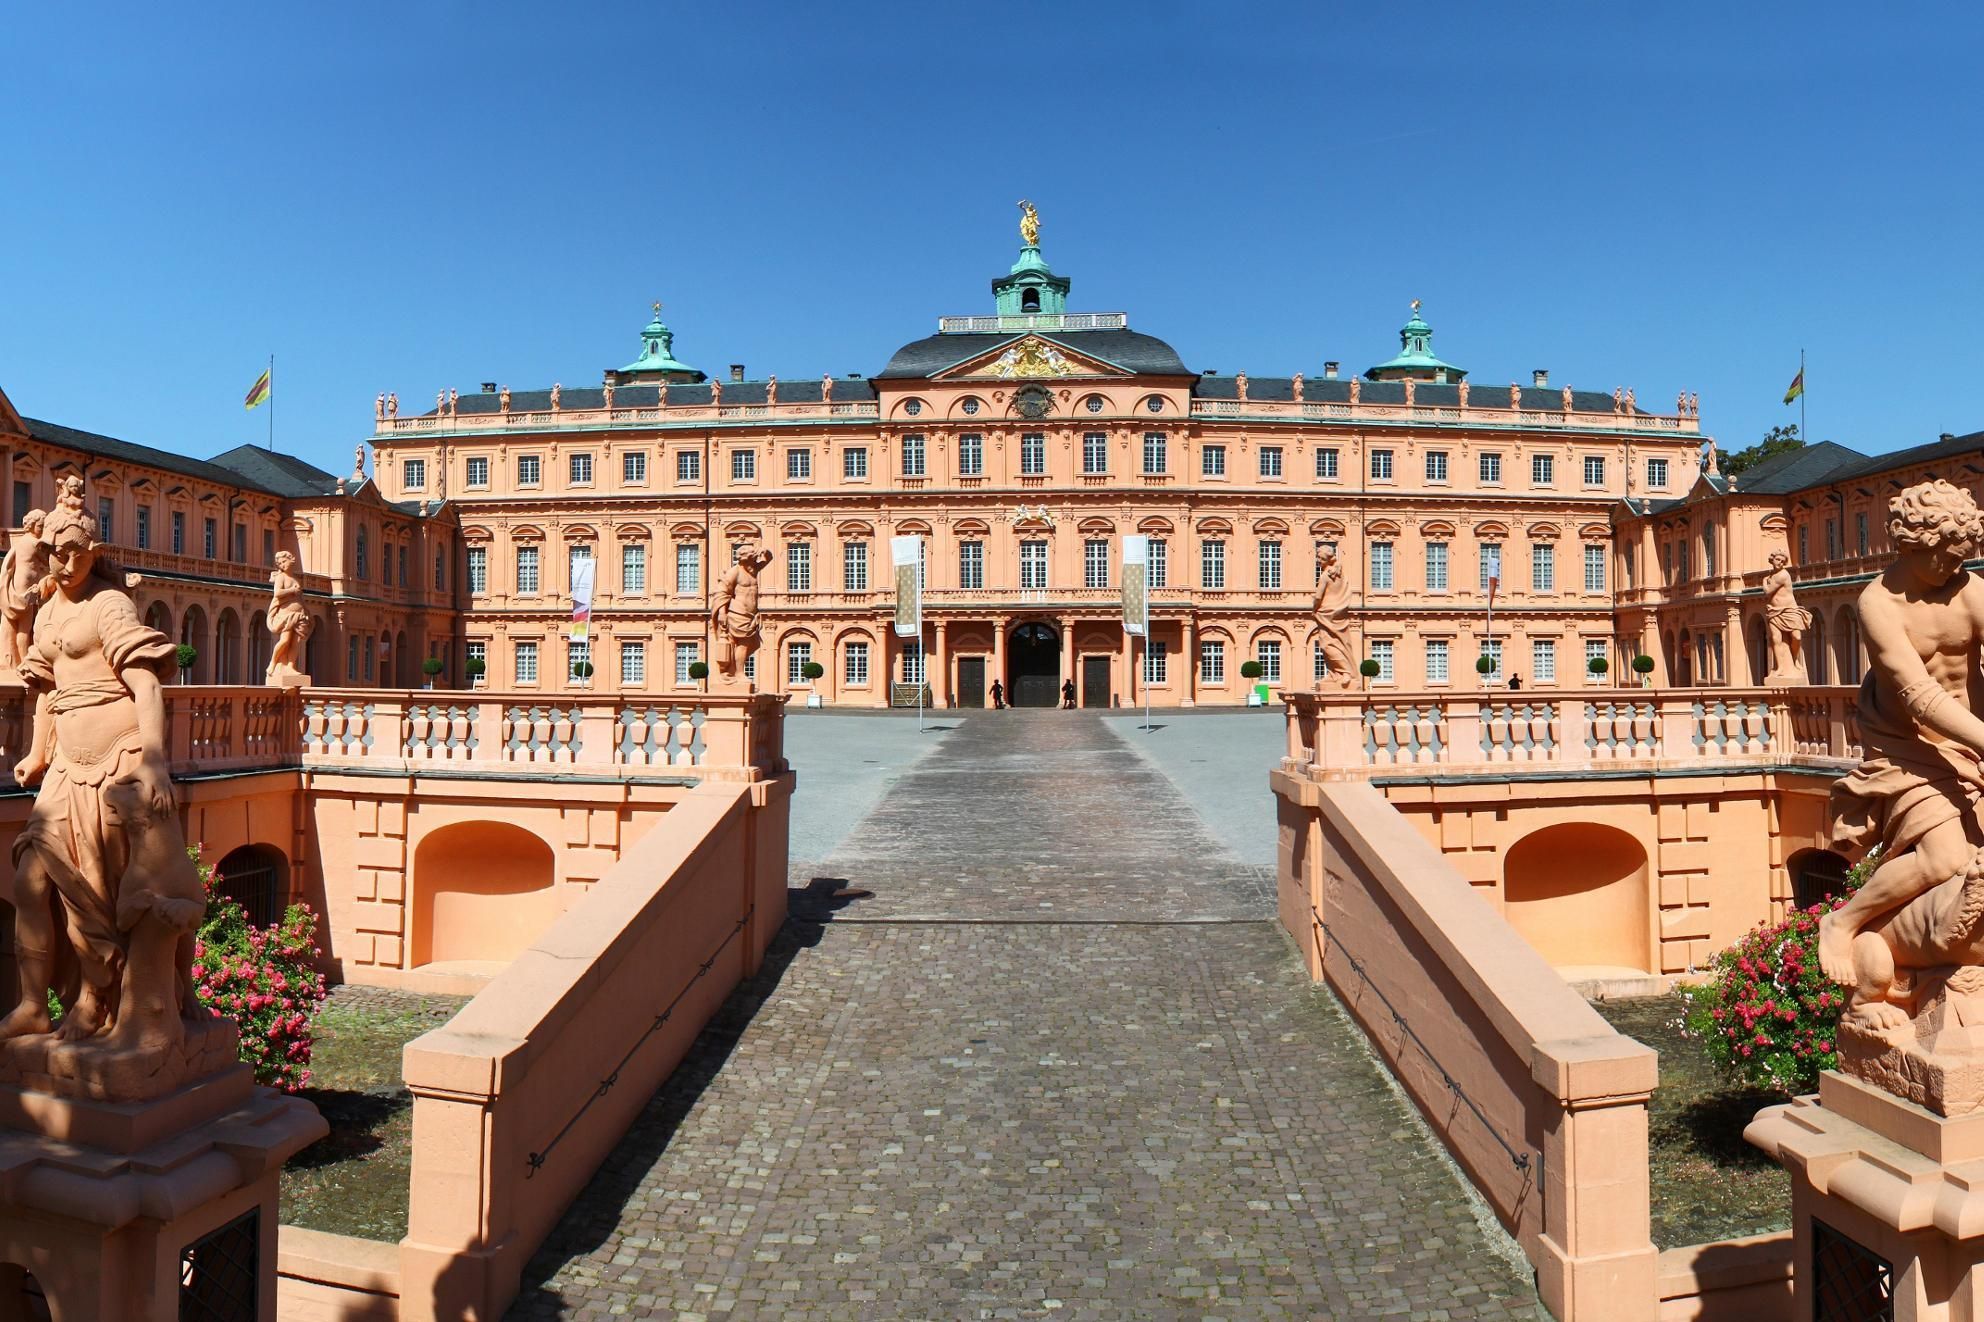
x,y
1034,401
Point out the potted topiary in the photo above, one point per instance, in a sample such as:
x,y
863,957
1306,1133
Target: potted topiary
x,y
1256,693
813,670
1597,666
1368,668
475,667
185,655
1484,665
1643,665
431,667
582,671
699,671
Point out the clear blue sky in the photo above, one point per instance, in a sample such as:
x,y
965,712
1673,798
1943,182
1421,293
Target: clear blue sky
x,y
413,196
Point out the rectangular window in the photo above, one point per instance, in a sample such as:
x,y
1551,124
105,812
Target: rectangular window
x,y
1033,453
574,557
689,466
1491,563
1681,560
478,570
208,533
1381,465
241,547
971,455
269,551
743,465
1095,563
799,567
478,471
1033,565
912,663
1095,452
686,655
1212,663
527,571
912,455
634,468
1543,660
1594,569
1212,564
1270,461
1160,564
1381,652
440,565
1594,470
578,470
359,559
1155,661
1832,539
1491,469
1804,550
798,464
1542,470
1268,652
855,670
797,657
971,565
479,651
1436,566
23,501
1381,566
1656,474
1860,531
688,569
578,656
1326,461
530,470
854,462
1212,460
1542,567
854,566
1270,566
1154,460
1492,649
1436,661
633,569
1319,664
144,527
351,658
526,663
1594,650
1436,465
413,474
633,663
401,557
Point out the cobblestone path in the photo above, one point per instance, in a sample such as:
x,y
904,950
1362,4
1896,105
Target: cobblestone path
x,y
1063,1064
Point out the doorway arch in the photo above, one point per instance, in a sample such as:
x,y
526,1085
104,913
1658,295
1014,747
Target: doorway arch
x,y
1818,876
257,878
1579,894
1033,666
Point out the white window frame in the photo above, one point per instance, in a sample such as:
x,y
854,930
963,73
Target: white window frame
x,y
1594,567
1033,454
1212,564
1383,576
1542,567
528,577
633,662
854,463
1543,660
1212,460
971,564
1033,566
799,567
1381,465
525,658
578,470
633,569
854,664
1095,562
1328,463
478,571
854,565
1212,661
634,468
476,473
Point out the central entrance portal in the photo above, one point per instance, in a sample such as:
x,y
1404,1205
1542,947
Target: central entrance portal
x,y
1033,667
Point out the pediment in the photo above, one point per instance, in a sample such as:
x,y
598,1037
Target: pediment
x,y
10,419
1031,357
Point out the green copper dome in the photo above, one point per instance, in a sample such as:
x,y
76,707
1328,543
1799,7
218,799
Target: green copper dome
x,y
658,354
1415,359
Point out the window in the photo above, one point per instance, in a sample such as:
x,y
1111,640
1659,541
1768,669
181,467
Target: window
x,y
1033,454
479,651
1270,461
578,470
1160,564
1436,566
1594,650
440,560
1033,565
1656,474
913,407
1381,465
1832,539
854,566
1543,660
912,663
527,571
633,568
361,560
1095,452
1492,649
971,455
413,474
1381,566
633,663
689,466
1212,663
1542,470
401,558
912,455
799,567
1319,664
1594,568
1156,663
268,542
1491,563
1681,560
971,564
1542,567
106,519
1267,651
1594,470
743,465
478,570
1436,465
1860,531
526,663
1381,652
1803,547
686,655
1708,548
351,658
578,654
1154,461
797,657
179,534
209,538
530,470
634,471
798,464
1212,564
145,527
854,671
854,462
1491,468
1095,563
1437,669
1270,566
971,407
1212,460
1326,463
688,569
478,470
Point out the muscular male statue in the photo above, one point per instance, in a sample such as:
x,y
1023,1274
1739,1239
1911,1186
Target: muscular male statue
x,y
734,611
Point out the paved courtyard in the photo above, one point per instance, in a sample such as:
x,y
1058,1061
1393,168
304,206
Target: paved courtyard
x,y
1062,1064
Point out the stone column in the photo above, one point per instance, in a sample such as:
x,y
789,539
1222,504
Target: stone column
x,y
937,669
1188,694
999,624
1067,654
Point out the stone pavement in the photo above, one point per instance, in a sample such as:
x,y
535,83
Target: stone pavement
x,y
1063,1064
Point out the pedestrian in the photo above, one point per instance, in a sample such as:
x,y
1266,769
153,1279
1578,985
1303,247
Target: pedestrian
x,y
1515,683
1068,695
998,696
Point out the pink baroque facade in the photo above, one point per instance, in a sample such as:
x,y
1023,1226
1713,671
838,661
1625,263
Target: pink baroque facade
x,y
1021,448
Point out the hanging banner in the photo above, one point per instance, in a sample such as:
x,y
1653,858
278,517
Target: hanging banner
x,y
582,578
1136,570
905,553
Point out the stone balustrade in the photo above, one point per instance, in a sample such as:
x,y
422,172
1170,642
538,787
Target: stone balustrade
x,y
864,410
1483,410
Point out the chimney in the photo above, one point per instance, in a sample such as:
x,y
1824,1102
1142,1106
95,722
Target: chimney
x,y
1329,371
488,387
1540,377
737,371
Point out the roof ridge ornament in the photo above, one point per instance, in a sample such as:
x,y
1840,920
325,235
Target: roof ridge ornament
x,y
1029,224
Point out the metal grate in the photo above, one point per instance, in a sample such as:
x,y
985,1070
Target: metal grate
x,y
219,1273
1850,1282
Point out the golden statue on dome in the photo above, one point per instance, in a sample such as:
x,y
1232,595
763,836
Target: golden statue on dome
x,y
1029,224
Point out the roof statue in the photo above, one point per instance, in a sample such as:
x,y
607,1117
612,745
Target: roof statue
x,y
1029,224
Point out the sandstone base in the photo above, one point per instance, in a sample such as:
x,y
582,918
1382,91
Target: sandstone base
x,y
97,1070
1937,1058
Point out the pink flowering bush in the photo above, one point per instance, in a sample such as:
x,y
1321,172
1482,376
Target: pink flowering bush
x,y
263,978
1768,1014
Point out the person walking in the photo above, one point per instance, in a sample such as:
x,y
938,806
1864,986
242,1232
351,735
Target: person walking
x,y
998,696
1515,683
1068,695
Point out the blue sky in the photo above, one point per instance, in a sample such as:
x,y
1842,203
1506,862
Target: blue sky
x,y
413,196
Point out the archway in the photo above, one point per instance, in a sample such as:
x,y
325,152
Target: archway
x,y
1847,645
258,647
1818,876
227,648
1818,661
402,662
159,618
1684,657
1759,638
1033,666
257,878
483,891
193,633
1579,894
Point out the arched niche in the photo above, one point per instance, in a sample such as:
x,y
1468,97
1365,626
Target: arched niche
x,y
1579,893
482,891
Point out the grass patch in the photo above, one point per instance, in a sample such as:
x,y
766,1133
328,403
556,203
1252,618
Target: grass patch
x,y
354,1180
1708,1184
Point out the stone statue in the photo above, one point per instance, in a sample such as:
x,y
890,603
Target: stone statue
x,y
358,460
1356,385
1515,395
1295,387
503,399
454,400
734,611
1568,404
606,397
440,403
1712,465
103,890
1694,406
1331,609
827,388
1788,622
393,405
1462,390
661,395
1618,400
716,392
1240,385
379,409
289,625
1409,383
1632,406
1029,224
557,395
23,586
771,390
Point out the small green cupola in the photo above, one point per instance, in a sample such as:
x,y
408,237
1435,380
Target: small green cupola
x,y
1415,361
1030,286
657,361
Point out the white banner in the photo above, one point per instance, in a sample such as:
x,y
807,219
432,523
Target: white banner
x,y
582,579
906,554
1136,598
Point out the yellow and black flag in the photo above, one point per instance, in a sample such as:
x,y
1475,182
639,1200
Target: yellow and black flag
x,y
259,392
1797,386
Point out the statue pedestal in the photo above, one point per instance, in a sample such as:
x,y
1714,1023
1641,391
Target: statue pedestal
x,y
294,679
1887,1202
146,1210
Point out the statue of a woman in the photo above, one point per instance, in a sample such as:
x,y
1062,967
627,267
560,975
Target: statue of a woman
x,y
289,624
21,585
1029,224
98,753
1331,607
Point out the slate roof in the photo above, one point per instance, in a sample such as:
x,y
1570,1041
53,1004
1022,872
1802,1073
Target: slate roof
x,y
1322,390
279,474
1128,349
806,390
109,447
1971,443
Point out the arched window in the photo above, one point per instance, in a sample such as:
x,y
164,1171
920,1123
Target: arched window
x,y
1030,300
257,878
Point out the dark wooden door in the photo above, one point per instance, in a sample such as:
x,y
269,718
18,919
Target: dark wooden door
x,y
1095,681
971,681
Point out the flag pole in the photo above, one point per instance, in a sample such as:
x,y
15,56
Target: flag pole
x,y
1803,390
272,403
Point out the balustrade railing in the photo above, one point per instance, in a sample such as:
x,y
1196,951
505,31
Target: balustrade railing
x,y
483,422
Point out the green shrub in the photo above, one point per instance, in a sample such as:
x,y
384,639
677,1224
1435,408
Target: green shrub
x,y
1484,665
1598,665
699,670
263,978
185,655
1368,668
1250,670
432,666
